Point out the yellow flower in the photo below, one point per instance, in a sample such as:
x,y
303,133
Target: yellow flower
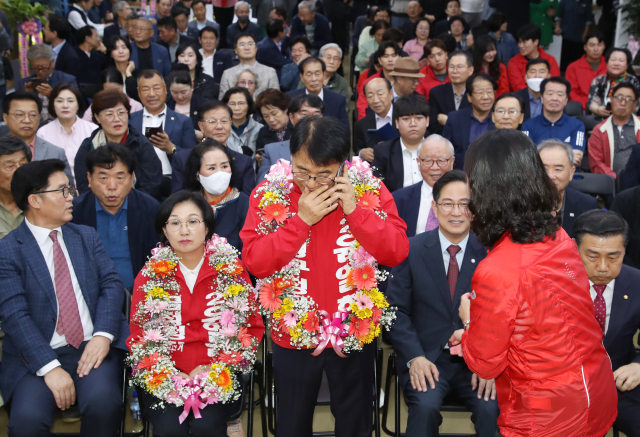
x,y
158,293
377,298
233,290
287,304
279,313
364,313
294,333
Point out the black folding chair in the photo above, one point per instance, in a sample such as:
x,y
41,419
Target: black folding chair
x,y
594,184
573,109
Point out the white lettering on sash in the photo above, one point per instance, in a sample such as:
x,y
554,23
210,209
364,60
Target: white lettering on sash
x,y
342,252
179,333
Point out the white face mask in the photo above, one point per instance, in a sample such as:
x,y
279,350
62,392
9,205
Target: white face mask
x,y
217,183
534,83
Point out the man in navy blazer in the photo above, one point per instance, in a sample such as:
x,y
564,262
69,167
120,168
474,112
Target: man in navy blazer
x,y
56,32
221,59
308,16
160,60
274,50
627,204
426,288
61,307
602,237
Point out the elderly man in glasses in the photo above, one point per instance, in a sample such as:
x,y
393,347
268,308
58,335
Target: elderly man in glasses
x,y
508,111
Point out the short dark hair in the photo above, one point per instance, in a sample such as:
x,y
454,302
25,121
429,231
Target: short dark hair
x,y
446,179
111,75
83,33
556,79
33,177
168,23
476,77
529,32
434,43
449,1
468,56
393,34
183,196
301,39
194,162
510,190
449,42
536,61
179,75
495,21
242,35
384,45
379,25
384,9
511,96
181,10
626,51
274,27
273,97
107,99
10,145
601,223
60,25
211,105
247,95
628,85
411,104
195,2
311,60
280,12
595,33
324,139
109,155
209,29
55,92
20,95
310,100
457,18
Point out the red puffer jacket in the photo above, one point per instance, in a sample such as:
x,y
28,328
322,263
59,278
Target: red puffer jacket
x,y
533,328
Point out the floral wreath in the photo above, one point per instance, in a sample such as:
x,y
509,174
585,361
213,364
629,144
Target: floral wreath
x,y
298,316
232,348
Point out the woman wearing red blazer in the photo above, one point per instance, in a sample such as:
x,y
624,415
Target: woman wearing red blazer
x,y
531,323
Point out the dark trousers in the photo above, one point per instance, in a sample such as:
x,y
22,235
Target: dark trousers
x,y
99,397
166,421
298,375
628,420
424,408
224,17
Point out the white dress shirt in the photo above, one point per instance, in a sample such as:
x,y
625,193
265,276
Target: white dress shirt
x,y
412,173
46,247
387,119
444,245
426,197
149,120
75,19
607,294
190,276
207,63
321,95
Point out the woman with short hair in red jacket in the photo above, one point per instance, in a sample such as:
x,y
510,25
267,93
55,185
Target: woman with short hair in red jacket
x,y
531,323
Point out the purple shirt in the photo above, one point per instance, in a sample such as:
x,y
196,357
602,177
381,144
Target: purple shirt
x,y
477,127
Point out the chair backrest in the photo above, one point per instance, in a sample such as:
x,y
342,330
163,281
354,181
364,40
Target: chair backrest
x,y
573,109
593,183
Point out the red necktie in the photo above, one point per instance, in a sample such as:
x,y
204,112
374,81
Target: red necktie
x,y
600,306
454,271
432,221
69,323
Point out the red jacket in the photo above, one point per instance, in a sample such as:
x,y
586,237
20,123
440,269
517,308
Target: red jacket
x,y
533,328
193,307
362,104
580,75
601,146
503,81
429,81
323,259
518,69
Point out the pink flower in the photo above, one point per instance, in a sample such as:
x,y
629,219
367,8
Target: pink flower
x,y
238,305
361,165
290,319
229,331
361,256
227,318
363,302
153,335
364,278
282,166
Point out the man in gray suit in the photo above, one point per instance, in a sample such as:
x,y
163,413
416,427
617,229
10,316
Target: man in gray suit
x,y
306,105
21,113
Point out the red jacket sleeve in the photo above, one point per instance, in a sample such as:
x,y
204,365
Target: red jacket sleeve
x,y
362,104
503,82
555,70
516,74
576,94
597,142
367,228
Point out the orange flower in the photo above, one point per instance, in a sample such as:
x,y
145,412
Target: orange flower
x,y
223,379
268,297
311,324
359,327
244,337
157,378
281,284
275,211
376,314
364,277
369,201
163,268
232,358
350,282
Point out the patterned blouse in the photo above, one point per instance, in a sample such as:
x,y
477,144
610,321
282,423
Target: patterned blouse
x,y
601,89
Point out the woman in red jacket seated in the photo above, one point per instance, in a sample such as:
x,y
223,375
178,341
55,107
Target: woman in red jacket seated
x,y
485,59
531,324
195,323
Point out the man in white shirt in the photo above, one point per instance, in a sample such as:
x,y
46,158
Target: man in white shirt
x,y
602,237
61,309
78,17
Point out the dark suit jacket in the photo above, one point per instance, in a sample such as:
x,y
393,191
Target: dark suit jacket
x,y
177,126
181,40
270,55
631,175
90,67
111,31
335,105
28,303
524,95
242,164
321,34
441,102
222,60
388,165
575,203
627,204
141,213
408,203
457,131
426,316
362,127
67,60
159,55
55,78
440,27
624,322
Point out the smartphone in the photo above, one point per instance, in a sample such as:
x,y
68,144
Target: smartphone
x,y
149,131
340,171
36,81
608,107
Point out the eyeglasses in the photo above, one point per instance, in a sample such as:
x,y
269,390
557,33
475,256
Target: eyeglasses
x,y
175,225
245,83
246,44
331,58
321,180
457,67
427,163
141,29
448,207
111,116
238,104
621,98
65,191
501,112
481,93
38,69
22,115
221,122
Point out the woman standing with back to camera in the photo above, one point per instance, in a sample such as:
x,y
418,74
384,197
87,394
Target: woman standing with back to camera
x,y
530,323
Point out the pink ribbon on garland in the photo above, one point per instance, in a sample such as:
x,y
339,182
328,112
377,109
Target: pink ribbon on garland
x,y
332,332
192,403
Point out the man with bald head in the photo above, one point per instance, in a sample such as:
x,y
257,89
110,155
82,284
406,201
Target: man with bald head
x,y
379,95
435,158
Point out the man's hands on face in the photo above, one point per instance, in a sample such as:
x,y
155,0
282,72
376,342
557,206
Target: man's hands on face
x,y
367,154
94,353
314,205
61,385
486,386
162,142
44,89
627,377
420,369
345,194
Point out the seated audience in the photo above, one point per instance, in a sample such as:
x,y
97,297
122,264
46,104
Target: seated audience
x,y
111,79
163,10
210,171
203,85
387,55
486,61
274,51
181,4
56,32
214,61
61,311
181,15
601,90
273,106
121,11
21,113
127,238
553,122
415,47
428,371
406,75
415,15
435,158
312,24
467,124
457,26
14,153
44,76
243,25
449,97
119,54
169,38
248,78
631,175
602,238
435,73
537,71
452,9
244,128
557,158
379,94
245,46
200,21
146,54
306,105
396,161
622,126
331,54
507,111
67,130
91,60
290,75
362,22
111,111
78,17
381,13
369,47
506,44
582,72
183,100
528,39
312,76
215,122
